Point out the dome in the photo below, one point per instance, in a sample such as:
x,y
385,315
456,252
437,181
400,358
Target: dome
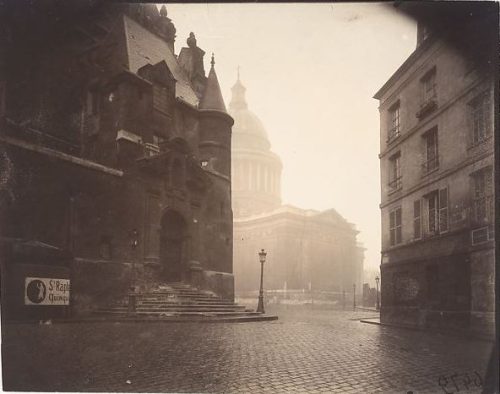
x,y
255,169
248,130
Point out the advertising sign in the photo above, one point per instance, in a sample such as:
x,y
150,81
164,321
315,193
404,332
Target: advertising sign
x,y
46,291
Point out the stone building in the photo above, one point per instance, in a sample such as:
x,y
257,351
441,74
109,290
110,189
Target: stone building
x,y
307,249
115,151
436,160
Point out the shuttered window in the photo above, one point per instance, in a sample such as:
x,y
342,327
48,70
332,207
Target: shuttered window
x,y
443,210
395,226
436,215
417,220
480,117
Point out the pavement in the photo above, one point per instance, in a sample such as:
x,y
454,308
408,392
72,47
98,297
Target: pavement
x,y
305,350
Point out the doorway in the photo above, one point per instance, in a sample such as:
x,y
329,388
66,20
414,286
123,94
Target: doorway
x,y
172,245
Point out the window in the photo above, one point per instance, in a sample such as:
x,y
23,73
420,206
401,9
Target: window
x,y
395,226
431,151
394,122
482,194
443,210
428,101
423,33
417,219
395,172
480,119
437,212
429,86
157,139
432,218
160,98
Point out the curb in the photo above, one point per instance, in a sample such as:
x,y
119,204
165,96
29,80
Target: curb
x,y
376,321
248,319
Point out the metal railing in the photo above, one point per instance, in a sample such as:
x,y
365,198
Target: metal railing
x,y
393,133
482,210
430,164
396,183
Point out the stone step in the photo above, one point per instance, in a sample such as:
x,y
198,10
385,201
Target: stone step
x,y
179,301
177,309
180,297
173,292
177,313
188,302
193,308
181,304
171,289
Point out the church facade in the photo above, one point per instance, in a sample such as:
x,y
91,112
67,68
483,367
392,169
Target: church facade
x,y
115,151
307,250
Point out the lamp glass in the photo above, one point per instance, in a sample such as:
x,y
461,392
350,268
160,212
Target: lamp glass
x,y
262,256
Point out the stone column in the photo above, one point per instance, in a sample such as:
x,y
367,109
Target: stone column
x,y
266,179
257,176
250,176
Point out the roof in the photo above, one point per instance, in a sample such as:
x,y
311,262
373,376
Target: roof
x,y
329,216
145,47
248,129
212,97
403,68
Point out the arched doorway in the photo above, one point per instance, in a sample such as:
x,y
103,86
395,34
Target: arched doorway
x,y
172,245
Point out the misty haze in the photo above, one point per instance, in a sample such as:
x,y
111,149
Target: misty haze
x,y
248,197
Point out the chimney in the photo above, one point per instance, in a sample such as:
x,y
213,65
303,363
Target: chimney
x,y
191,61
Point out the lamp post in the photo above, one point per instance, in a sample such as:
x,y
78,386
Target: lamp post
x,y
377,279
134,242
354,296
262,258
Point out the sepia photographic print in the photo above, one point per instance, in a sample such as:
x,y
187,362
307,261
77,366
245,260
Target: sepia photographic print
x,y
248,197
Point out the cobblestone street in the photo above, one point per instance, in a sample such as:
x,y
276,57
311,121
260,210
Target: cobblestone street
x,y
310,351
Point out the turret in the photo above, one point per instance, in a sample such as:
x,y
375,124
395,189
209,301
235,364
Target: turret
x,y
215,127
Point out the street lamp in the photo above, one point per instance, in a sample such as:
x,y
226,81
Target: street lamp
x,y
262,258
134,242
377,279
354,296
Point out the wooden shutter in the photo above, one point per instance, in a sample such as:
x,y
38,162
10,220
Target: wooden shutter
x,y
417,220
443,210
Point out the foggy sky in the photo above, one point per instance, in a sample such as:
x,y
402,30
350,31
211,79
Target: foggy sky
x,y
311,71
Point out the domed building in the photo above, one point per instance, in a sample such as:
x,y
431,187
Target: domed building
x,y
308,251
256,170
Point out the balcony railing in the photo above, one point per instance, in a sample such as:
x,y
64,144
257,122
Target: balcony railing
x,y
395,184
393,134
430,165
427,107
482,210
151,149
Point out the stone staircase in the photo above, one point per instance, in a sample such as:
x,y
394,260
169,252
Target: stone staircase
x,y
181,302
